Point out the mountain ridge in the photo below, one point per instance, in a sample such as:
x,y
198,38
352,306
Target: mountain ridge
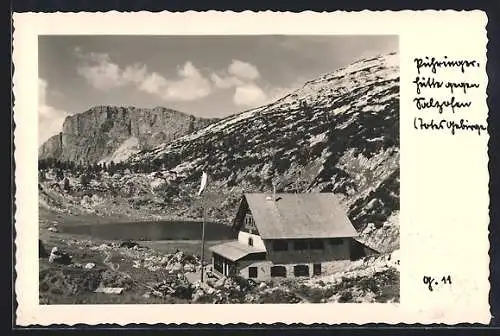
x,y
94,135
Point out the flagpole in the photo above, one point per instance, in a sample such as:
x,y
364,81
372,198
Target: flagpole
x,y
203,234
202,192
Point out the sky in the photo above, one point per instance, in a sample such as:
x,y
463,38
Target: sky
x,y
206,76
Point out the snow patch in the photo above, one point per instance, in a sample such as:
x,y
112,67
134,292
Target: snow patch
x,y
373,108
219,126
392,60
375,139
156,182
317,139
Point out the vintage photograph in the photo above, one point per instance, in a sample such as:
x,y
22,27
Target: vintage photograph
x,y
218,169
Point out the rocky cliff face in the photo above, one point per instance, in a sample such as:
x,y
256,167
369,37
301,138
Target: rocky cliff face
x,y
106,133
52,147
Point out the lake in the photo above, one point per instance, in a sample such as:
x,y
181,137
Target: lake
x,y
153,230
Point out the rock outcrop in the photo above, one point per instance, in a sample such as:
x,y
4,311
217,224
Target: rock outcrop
x,y
105,133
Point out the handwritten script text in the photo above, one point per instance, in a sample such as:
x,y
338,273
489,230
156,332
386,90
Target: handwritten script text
x,y
444,86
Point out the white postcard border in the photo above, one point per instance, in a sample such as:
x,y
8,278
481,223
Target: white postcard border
x,y
439,241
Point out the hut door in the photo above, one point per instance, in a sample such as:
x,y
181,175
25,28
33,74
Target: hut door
x,y
232,269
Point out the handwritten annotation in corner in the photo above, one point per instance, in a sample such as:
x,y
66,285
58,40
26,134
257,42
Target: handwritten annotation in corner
x,y
432,83
432,283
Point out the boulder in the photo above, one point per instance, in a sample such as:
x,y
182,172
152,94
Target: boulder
x,y
164,260
229,283
128,244
207,289
250,298
85,200
369,228
89,265
157,293
179,256
198,295
59,257
219,283
189,268
101,247
177,267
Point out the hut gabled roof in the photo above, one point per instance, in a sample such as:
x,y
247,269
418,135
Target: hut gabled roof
x,y
296,216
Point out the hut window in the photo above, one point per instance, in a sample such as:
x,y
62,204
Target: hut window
x,y
218,263
248,220
252,272
278,271
301,270
300,244
231,269
336,241
316,244
249,224
280,245
250,241
317,269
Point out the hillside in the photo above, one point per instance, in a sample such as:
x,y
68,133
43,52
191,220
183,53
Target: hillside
x,y
338,133
110,133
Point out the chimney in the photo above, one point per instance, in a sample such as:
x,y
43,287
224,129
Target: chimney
x,y
273,197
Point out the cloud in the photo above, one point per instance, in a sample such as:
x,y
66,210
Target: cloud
x,y
103,74
190,86
241,76
153,83
243,70
50,119
238,73
225,82
249,95
99,70
135,73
